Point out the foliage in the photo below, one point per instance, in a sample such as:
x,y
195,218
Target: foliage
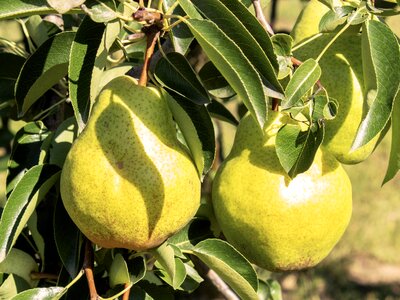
x,y
50,84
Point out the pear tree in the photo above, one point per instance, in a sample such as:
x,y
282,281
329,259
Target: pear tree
x,y
119,181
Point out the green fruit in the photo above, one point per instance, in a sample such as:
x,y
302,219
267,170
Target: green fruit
x,y
307,23
278,223
342,76
127,182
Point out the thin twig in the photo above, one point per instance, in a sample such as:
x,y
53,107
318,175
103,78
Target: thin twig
x,y
261,18
152,35
88,264
126,294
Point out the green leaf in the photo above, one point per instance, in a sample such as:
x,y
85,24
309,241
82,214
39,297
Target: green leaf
x,y
394,160
194,232
140,294
25,151
324,108
229,20
11,65
332,19
275,292
175,72
296,148
192,279
43,69
179,274
11,9
304,78
218,110
68,240
282,44
110,74
214,82
62,140
82,60
32,187
21,264
37,30
196,126
180,34
36,236
62,6
50,293
118,271
381,65
12,286
166,259
190,9
233,65
101,12
137,268
230,265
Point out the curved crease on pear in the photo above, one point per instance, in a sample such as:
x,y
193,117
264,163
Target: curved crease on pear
x,y
278,223
127,181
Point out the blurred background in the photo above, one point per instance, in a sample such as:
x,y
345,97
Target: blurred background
x,y
366,262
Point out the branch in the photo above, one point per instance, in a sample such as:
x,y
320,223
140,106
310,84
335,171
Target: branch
x,y
261,18
152,33
88,263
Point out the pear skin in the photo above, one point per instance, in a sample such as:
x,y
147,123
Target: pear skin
x,y
278,223
127,181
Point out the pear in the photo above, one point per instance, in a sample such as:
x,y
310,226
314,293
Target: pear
x,y
342,76
279,223
307,23
127,181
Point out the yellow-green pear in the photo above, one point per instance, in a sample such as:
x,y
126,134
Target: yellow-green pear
x,y
342,76
278,223
127,181
307,23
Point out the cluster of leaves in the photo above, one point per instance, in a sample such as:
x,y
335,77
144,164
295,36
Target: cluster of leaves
x,y
52,83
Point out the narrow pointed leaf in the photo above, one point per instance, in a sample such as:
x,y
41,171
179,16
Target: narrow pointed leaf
x,y
233,65
230,265
68,239
43,69
50,293
394,160
11,9
190,9
11,65
219,111
296,148
166,259
32,187
176,73
118,271
62,6
196,126
196,231
233,27
25,151
304,78
82,59
381,65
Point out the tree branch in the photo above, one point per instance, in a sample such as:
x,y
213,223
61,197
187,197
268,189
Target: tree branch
x,y
260,16
88,263
152,34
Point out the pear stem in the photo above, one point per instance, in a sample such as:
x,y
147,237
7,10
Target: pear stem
x,y
88,263
152,34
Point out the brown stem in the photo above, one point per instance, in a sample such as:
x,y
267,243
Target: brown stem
x,y
126,294
39,275
275,104
152,33
261,18
88,263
